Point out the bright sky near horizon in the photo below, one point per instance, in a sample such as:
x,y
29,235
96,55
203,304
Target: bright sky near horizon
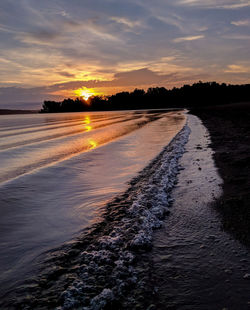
x,y
51,49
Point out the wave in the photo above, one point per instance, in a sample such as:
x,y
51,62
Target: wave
x,y
98,269
20,160
77,129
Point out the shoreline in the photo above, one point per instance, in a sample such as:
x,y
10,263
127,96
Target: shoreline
x,y
229,130
195,264
17,112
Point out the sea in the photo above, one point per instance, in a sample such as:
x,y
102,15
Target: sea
x,y
62,175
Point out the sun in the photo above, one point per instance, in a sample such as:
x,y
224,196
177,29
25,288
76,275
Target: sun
x,y
85,92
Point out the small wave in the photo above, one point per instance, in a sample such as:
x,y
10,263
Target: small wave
x,y
98,270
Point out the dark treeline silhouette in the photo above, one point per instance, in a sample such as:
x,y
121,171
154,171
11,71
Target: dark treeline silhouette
x,y
197,95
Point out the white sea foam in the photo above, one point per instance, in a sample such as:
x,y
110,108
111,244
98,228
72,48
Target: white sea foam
x,y
109,261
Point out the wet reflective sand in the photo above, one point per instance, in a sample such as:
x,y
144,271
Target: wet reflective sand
x,y
196,265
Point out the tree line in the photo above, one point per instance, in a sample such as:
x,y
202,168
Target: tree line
x,y
197,95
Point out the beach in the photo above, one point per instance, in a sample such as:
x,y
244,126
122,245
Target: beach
x,y
229,128
166,239
195,263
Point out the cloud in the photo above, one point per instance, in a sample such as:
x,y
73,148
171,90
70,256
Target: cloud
x,y
172,20
216,4
237,69
45,34
7,29
237,37
66,74
14,97
127,22
240,23
101,34
118,44
142,76
136,78
42,37
188,38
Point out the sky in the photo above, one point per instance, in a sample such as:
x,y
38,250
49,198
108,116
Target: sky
x,y
53,49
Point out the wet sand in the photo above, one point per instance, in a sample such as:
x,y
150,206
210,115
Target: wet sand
x,y
194,264
229,128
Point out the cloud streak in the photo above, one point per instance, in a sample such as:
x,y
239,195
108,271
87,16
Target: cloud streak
x,y
216,4
188,38
126,22
237,69
241,23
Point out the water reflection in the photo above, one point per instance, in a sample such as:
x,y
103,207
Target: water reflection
x,y
87,120
92,144
37,211
35,147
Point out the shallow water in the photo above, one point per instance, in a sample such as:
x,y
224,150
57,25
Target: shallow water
x,y
58,170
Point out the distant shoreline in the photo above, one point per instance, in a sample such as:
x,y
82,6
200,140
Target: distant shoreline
x,y
9,111
13,112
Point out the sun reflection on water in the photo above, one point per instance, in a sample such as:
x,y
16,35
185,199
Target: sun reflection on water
x,y
92,144
86,123
87,120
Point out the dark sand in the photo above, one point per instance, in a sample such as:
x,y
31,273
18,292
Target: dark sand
x,y
229,128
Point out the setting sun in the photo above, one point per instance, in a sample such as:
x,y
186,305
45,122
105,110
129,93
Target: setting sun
x,y
85,93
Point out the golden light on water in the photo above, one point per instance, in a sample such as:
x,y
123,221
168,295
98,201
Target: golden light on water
x,y
85,93
86,120
86,123
92,144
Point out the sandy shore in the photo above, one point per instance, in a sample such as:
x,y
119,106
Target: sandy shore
x,y
195,264
229,128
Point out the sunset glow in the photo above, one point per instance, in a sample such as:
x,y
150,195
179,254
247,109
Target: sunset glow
x,y
85,93
53,52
